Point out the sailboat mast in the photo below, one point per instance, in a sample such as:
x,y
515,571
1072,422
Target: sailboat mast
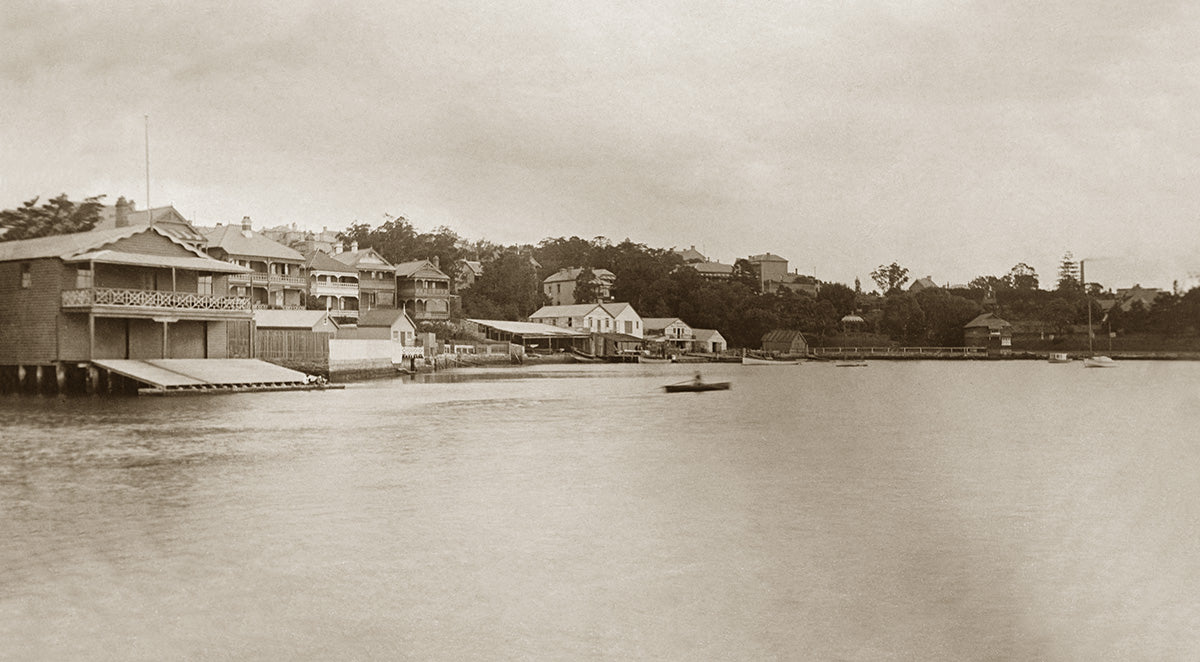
x,y
1087,300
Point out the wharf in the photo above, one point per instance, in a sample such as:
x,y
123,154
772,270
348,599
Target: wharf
x,y
182,376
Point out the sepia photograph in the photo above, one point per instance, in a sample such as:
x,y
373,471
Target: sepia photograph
x,y
602,331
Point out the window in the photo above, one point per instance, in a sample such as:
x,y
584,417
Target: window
x,y
204,285
83,279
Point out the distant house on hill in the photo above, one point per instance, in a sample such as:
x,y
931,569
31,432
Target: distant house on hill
x,y
559,287
466,273
988,330
1144,295
925,283
690,255
784,341
713,270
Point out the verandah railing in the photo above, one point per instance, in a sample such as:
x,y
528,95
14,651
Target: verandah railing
x,y
110,296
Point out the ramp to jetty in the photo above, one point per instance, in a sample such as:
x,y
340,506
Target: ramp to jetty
x,y
172,376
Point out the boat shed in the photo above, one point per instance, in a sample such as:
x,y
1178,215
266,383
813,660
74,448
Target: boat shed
x,y
989,331
533,336
784,341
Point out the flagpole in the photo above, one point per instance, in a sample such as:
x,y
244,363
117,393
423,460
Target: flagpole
x,y
149,215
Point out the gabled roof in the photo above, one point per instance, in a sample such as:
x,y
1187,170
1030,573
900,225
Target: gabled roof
x,y
319,261
570,274
419,268
783,335
98,246
364,258
653,323
291,319
248,243
706,334
617,308
573,310
382,317
690,255
528,328
922,284
168,215
474,266
987,320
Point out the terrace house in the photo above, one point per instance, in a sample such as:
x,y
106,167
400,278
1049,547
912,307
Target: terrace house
x,y
333,284
276,273
423,290
134,292
376,276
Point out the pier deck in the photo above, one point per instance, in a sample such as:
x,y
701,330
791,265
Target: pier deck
x,y
170,376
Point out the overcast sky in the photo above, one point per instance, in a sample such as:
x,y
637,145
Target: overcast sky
x,y
954,138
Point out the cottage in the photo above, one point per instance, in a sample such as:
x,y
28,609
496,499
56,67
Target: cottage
x,y
394,325
988,330
625,319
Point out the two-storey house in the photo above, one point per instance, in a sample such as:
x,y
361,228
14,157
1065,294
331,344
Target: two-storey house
x,y
559,287
423,290
333,284
134,292
590,317
673,332
376,276
276,273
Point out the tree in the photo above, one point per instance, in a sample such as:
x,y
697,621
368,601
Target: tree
x,y
587,287
508,290
1023,277
744,273
890,278
945,315
56,216
842,298
903,318
1068,273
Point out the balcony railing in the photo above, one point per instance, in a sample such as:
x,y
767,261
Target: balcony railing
x,y
107,296
258,278
424,291
318,288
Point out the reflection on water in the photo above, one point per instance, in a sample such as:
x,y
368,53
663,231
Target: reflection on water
x,y
943,511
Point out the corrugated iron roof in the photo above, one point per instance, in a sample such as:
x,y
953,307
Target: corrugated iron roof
x,y
320,261
83,246
568,310
416,267
528,328
248,243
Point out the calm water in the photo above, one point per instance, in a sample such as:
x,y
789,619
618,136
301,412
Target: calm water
x,y
908,511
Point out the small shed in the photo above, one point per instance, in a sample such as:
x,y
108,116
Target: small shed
x,y
784,341
989,331
387,324
708,340
296,339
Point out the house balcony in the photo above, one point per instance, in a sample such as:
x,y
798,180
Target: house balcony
x,y
108,301
333,289
410,292
266,280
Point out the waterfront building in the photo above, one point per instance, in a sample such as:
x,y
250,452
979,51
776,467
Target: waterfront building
x,y
625,319
296,339
423,290
531,336
784,341
988,330
671,332
133,292
386,324
276,273
559,287
709,341
586,317
376,276
333,285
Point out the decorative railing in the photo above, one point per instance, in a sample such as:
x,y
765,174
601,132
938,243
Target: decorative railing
x,y
318,288
107,296
425,291
259,278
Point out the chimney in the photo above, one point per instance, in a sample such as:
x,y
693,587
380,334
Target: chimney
x,y
122,211
437,262
246,223
353,246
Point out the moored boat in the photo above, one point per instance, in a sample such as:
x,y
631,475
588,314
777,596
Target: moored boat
x,y
851,364
1059,357
1099,362
750,360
